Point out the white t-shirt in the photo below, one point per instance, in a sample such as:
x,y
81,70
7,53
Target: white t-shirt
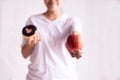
x,y
50,59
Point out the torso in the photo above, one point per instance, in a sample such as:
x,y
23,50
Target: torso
x,y
50,59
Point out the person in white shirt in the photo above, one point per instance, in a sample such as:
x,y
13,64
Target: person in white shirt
x,y
50,58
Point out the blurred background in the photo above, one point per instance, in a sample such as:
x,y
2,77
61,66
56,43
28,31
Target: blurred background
x,y
100,30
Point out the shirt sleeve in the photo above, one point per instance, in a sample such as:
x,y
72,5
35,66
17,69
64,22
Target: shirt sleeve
x,y
76,25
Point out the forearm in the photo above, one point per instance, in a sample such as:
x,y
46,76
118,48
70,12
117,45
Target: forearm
x,y
27,50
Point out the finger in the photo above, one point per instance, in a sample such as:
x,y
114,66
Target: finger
x,y
72,53
31,39
77,54
35,38
38,38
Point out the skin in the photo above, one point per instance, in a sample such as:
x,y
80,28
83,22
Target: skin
x,y
29,46
53,11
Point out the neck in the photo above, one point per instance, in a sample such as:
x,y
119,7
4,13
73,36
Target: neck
x,y
52,14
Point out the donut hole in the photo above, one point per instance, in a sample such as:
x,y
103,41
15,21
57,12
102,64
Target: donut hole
x,y
29,30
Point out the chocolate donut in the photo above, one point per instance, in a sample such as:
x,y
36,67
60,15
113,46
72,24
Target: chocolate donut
x,y
29,30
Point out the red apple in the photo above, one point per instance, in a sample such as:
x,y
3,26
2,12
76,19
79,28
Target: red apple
x,y
74,42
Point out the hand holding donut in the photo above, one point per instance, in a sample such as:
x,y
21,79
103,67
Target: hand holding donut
x,y
30,33
74,45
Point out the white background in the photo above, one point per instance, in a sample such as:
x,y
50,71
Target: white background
x,y
100,29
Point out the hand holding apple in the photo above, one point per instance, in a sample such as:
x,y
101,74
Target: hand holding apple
x,y
74,45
